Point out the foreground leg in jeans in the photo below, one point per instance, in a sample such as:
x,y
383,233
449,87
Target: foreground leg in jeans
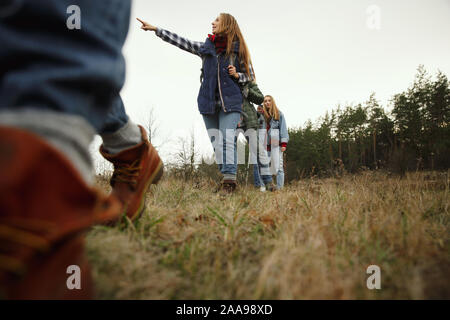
x,y
136,162
58,87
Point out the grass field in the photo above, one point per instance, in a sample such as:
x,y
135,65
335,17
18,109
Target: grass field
x,y
313,240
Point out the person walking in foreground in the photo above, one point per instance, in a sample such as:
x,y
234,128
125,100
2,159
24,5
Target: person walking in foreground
x,y
278,137
53,100
226,64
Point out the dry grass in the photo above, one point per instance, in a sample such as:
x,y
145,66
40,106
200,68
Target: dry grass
x,y
313,240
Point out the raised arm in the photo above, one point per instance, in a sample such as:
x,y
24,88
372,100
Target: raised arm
x,y
174,39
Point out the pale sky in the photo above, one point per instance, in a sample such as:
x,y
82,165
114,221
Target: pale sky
x,y
310,55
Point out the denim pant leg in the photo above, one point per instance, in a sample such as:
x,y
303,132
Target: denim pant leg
x,y
252,140
212,127
256,177
221,129
228,122
274,155
263,159
116,117
280,173
47,66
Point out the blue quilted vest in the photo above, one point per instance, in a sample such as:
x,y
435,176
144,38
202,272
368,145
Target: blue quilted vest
x,y
215,73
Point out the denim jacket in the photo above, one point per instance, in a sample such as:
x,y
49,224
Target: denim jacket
x,y
277,130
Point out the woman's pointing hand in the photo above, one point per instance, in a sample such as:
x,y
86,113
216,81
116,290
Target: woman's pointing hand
x,y
146,26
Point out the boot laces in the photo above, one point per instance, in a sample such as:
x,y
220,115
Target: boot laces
x,y
127,173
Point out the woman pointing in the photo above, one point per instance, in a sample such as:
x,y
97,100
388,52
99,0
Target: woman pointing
x,y
226,64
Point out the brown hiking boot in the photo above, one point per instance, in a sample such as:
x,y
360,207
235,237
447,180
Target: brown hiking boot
x,y
229,186
270,187
45,206
134,170
225,187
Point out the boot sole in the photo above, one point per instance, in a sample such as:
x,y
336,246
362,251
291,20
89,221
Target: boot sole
x,y
154,179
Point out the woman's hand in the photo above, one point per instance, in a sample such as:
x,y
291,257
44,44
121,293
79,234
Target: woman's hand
x,y
232,71
146,26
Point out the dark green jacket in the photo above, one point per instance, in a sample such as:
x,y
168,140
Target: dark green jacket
x,y
251,94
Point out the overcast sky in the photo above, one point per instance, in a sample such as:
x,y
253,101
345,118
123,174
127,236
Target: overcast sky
x,y
310,55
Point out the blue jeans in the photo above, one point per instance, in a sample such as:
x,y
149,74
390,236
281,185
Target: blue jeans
x,y
257,180
278,165
261,170
116,117
46,66
280,177
221,128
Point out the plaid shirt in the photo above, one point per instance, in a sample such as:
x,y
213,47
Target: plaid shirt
x,y
194,47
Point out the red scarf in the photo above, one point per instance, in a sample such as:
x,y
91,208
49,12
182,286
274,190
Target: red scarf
x,y
219,42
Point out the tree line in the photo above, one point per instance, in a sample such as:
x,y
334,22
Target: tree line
x,y
412,133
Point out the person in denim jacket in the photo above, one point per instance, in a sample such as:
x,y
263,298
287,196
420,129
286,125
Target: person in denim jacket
x,y
277,137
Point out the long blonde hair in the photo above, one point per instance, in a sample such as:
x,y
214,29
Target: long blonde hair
x,y
230,28
272,112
